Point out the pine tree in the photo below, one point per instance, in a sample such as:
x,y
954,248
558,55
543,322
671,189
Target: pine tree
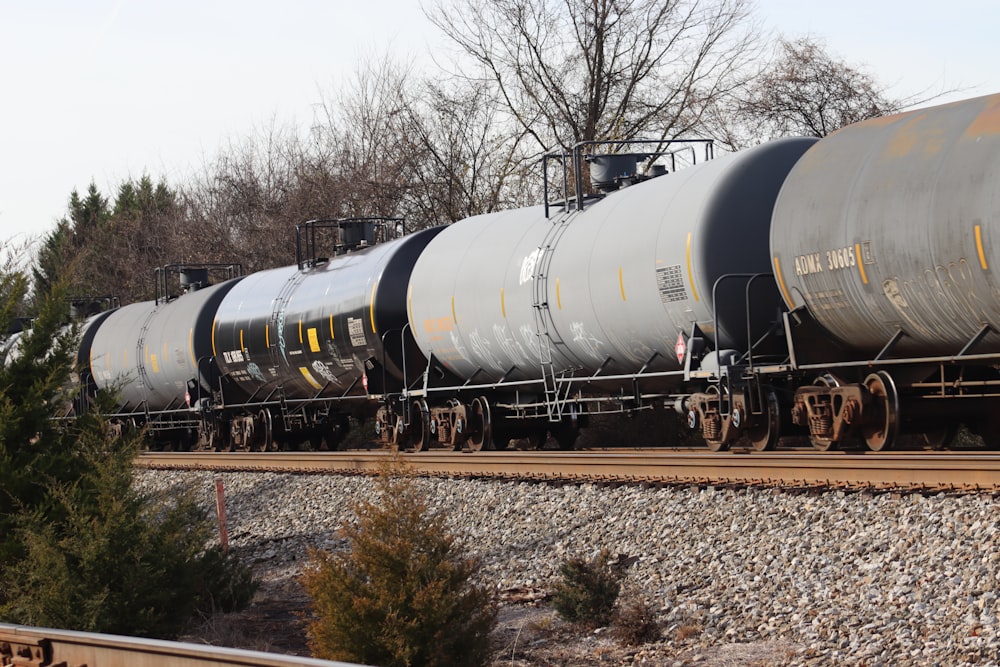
x,y
79,547
402,595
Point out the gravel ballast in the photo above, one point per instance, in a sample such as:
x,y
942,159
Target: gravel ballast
x,y
838,578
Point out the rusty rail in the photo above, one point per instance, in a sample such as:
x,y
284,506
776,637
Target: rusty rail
x,y
42,647
913,470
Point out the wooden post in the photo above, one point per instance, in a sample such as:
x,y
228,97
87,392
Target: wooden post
x,y
220,510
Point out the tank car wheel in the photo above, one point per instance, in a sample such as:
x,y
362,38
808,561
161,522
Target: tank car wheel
x,y
263,435
217,439
880,433
764,436
421,427
480,426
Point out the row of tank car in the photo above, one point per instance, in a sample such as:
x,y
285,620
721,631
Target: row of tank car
x,y
840,290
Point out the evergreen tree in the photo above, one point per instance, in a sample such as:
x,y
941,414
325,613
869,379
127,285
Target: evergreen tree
x,y
402,596
52,259
116,561
79,547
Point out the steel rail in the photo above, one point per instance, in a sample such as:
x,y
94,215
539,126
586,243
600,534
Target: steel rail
x,y
908,470
21,645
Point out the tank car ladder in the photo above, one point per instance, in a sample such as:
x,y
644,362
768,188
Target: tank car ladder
x,y
547,336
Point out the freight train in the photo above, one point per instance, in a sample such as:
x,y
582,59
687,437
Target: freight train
x,y
840,290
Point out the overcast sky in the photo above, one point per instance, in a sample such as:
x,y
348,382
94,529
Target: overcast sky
x,y
103,90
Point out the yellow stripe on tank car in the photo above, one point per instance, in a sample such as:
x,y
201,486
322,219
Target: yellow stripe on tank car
x,y
781,283
313,335
694,290
213,338
979,248
409,310
503,304
332,337
267,335
300,332
621,283
309,377
371,308
242,347
861,265
453,316
559,296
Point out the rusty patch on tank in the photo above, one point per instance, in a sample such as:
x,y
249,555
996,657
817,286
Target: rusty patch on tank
x,y
987,122
916,137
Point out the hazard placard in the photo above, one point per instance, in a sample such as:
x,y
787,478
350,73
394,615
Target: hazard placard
x,y
680,348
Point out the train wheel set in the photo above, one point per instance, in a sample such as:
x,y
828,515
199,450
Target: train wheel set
x,y
839,290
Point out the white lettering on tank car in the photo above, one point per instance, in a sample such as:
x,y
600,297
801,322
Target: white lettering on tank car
x,y
356,331
508,344
808,264
827,260
840,258
528,265
530,338
482,349
457,345
586,341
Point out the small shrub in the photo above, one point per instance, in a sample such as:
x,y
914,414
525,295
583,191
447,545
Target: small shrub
x,y
402,595
588,590
687,631
635,624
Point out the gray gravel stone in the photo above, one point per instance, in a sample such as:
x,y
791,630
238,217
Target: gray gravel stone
x,y
848,578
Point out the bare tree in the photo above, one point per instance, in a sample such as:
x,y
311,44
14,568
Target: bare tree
x,y
805,91
466,160
430,151
362,141
243,205
581,70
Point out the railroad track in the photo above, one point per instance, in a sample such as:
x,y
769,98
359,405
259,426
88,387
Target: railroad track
x,y
20,645
907,470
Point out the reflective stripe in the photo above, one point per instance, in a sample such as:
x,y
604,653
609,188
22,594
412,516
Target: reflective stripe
x,y
861,265
781,283
694,290
979,247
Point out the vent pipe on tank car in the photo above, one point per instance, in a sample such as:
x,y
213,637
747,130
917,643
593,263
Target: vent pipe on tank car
x,y
81,307
190,278
344,235
614,170
611,171
193,279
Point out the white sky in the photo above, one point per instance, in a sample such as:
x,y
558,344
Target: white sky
x,y
103,90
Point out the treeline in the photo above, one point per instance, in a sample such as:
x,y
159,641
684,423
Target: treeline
x,y
526,78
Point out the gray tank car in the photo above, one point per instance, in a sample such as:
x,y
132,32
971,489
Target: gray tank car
x,y
617,283
884,241
609,296
890,225
156,355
